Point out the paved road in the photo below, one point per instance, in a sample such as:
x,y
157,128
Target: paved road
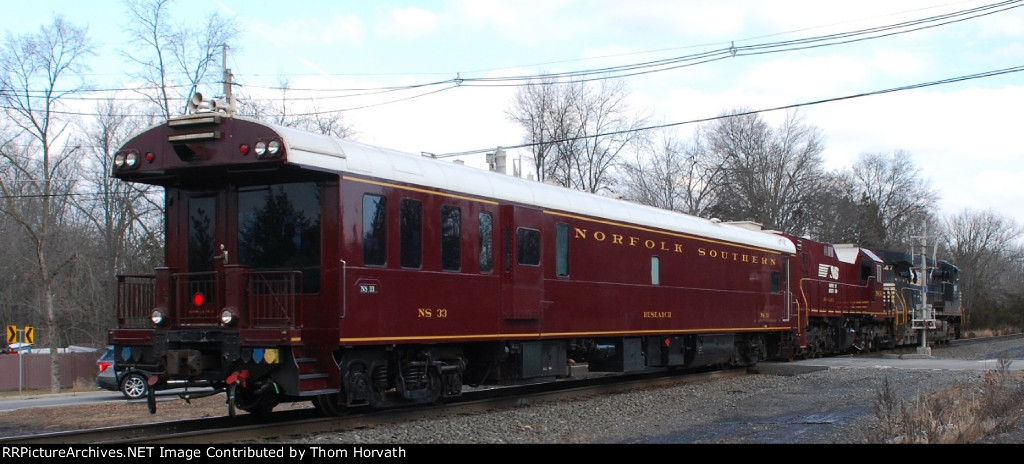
x,y
915,362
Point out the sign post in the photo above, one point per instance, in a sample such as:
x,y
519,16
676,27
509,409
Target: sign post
x,y
28,337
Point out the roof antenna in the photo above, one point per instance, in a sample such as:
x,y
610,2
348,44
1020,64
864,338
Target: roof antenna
x,y
229,105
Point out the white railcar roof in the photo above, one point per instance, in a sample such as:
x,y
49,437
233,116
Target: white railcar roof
x,y
340,155
848,253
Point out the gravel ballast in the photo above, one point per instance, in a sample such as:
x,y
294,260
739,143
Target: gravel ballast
x,y
835,405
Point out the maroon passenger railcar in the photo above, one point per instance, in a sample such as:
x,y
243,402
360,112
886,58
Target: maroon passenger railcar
x,y
305,267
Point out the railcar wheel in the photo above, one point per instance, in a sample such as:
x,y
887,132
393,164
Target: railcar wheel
x,y
436,387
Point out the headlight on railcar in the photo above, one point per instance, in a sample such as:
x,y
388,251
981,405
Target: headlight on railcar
x,y
157,317
267,149
228,317
126,160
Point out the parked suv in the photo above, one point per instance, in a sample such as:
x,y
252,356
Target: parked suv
x,y
131,384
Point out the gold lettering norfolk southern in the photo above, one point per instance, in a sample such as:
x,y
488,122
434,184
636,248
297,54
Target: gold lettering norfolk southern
x,y
673,247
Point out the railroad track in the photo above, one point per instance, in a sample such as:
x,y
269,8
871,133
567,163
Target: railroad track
x,y
281,425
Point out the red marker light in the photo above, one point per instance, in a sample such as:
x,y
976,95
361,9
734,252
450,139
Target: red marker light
x,y
243,148
198,299
150,157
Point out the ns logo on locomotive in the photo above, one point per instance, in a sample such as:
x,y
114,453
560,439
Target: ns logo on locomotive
x,y
301,267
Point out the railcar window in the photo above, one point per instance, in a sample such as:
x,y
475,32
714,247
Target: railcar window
x,y
279,228
655,270
776,282
865,272
202,222
486,243
451,238
528,246
411,233
375,229
562,250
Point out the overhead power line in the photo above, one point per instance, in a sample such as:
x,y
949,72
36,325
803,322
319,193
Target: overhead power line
x,y
612,72
731,51
766,110
950,80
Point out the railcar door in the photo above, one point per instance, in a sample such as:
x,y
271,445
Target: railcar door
x,y
207,248
522,276
272,232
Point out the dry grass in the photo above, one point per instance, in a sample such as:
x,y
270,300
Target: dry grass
x,y
998,332
959,413
81,385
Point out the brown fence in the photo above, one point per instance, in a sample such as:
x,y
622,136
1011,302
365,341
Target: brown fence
x,y
35,370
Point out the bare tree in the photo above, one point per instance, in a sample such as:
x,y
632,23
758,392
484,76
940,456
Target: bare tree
x,y
18,292
324,122
286,112
123,218
578,132
772,176
671,174
981,243
539,108
173,59
605,128
893,186
39,70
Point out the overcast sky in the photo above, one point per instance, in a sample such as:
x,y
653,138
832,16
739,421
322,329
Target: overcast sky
x,y
964,135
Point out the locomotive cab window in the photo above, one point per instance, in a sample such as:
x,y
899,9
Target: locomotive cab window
x,y
279,229
865,271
